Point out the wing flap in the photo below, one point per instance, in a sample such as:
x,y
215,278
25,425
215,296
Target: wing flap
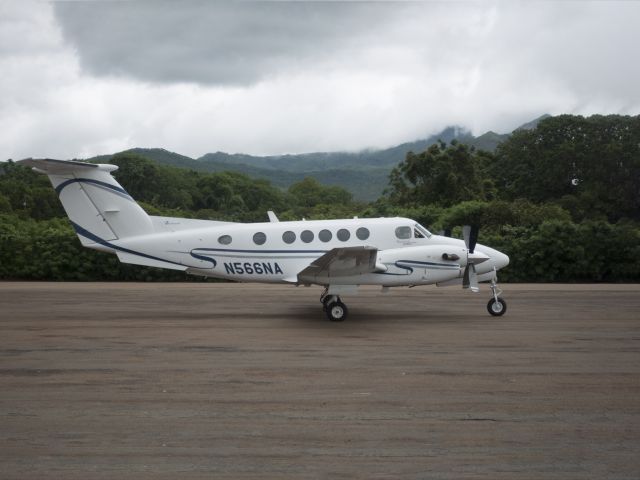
x,y
340,262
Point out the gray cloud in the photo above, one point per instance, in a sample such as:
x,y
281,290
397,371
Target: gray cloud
x,y
212,42
83,78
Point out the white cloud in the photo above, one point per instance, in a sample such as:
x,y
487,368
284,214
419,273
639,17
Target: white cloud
x,y
364,78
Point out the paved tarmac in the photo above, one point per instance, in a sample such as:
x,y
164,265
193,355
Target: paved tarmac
x,y
181,381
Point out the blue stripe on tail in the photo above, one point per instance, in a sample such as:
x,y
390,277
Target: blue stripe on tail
x,y
119,190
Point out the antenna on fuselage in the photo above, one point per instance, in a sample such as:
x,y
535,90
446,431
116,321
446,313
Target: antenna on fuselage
x,y
272,216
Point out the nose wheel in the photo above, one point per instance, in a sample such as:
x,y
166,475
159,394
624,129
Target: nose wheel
x,y
496,306
334,308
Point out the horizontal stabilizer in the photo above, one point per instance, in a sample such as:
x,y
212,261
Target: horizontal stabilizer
x,y
62,167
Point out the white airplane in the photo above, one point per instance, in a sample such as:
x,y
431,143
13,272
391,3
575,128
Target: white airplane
x,y
339,255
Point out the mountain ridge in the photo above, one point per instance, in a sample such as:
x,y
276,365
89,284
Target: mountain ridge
x,y
364,173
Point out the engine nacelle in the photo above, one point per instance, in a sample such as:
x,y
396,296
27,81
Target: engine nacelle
x,y
436,263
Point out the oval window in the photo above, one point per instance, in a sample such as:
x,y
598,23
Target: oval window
x,y
224,239
325,235
288,237
306,236
259,238
343,234
362,233
403,233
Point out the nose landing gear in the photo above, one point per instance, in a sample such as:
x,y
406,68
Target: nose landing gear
x,y
496,306
334,308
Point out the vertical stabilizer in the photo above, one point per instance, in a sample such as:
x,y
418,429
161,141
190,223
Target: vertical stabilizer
x,y
97,205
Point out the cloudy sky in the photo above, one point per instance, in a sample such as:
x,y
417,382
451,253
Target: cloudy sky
x,y
81,78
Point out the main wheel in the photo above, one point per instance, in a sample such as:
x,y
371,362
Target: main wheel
x,y
497,308
326,301
336,311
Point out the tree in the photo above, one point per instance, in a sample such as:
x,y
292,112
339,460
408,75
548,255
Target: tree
x,y
443,175
310,193
27,193
591,165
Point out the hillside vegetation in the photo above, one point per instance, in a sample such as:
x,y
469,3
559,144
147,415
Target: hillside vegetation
x,y
562,199
365,173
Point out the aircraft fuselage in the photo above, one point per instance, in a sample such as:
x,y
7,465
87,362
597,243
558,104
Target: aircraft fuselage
x,y
275,252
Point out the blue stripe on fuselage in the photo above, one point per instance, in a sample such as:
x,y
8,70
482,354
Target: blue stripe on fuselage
x,y
259,251
87,234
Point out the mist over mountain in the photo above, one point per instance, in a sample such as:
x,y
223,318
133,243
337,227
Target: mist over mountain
x,y
365,174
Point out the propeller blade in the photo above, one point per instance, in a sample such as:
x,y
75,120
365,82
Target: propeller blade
x,y
470,278
470,234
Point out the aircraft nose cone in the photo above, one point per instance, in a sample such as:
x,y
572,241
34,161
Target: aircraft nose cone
x,y
500,260
495,259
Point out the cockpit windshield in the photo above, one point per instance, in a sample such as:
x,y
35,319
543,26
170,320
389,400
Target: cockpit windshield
x,y
420,232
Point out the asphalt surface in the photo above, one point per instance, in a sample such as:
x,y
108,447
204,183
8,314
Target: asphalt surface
x,y
180,381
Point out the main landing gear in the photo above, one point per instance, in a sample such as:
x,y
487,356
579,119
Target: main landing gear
x,y
337,311
496,306
334,308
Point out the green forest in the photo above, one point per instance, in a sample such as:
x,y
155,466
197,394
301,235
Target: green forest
x,y
561,199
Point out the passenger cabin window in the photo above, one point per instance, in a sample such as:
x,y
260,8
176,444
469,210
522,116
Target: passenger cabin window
x,y
417,233
325,235
343,235
259,238
224,239
362,233
306,236
288,237
403,233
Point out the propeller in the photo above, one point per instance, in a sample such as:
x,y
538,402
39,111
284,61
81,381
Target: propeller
x,y
470,234
470,279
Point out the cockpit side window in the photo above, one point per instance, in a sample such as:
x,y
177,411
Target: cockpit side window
x,y
421,230
403,233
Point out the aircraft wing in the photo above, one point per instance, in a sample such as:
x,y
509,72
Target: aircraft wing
x,y
340,262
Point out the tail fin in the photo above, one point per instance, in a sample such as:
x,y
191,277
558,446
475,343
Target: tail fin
x,y
97,205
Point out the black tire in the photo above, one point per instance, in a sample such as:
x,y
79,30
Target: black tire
x,y
325,302
336,311
497,309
